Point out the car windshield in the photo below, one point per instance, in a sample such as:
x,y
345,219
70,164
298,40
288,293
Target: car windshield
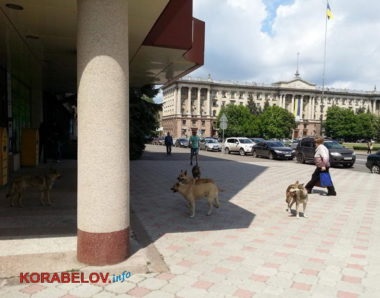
x,y
211,141
275,144
246,141
333,145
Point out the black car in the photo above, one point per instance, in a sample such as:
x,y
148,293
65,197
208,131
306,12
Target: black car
x,y
373,162
181,142
339,155
272,150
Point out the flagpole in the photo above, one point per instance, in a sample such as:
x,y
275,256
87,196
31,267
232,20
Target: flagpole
x,y
324,68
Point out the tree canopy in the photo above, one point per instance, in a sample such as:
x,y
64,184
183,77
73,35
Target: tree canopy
x,y
344,124
143,119
273,122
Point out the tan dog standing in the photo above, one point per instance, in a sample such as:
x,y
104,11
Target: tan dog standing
x,y
195,191
44,183
296,193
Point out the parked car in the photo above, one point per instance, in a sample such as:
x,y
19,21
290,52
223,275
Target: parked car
x,y
181,142
373,162
339,155
294,143
242,145
158,141
257,140
273,150
210,144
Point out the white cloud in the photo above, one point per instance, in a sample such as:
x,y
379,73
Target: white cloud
x,y
241,45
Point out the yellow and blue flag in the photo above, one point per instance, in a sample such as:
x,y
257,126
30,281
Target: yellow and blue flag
x,y
329,12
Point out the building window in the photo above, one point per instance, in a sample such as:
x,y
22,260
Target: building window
x,y
183,122
203,123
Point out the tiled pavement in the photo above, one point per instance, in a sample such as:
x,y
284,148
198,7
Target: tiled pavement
x,y
249,247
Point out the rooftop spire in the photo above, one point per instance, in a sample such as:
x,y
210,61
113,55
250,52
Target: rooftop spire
x,y
297,74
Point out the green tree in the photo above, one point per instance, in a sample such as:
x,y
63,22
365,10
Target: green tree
x,y
365,126
276,122
252,106
240,121
340,123
142,118
344,124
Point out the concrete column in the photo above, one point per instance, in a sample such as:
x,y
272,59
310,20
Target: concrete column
x,y
189,101
301,107
292,106
199,102
103,125
208,103
177,101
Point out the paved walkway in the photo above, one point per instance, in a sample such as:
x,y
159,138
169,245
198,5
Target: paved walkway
x,y
249,247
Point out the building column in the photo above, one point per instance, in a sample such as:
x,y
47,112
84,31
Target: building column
x,y
199,108
190,112
103,125
208,104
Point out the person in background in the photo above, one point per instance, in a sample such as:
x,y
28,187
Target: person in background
x,y
194,147
369,146
322,162
168,143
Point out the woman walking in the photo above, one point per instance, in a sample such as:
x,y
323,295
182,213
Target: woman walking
x,y
322,162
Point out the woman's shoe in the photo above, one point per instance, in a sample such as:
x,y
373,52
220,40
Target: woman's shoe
x,y
331,194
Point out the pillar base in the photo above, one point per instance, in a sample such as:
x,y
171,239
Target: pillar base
x,y
99,249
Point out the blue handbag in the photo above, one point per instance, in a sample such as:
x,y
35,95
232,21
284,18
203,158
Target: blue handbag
x,y
325,179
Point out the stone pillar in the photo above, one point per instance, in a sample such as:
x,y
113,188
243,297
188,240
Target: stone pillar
x,y
199,102
189,101
301,106
103,125
177,101
208,103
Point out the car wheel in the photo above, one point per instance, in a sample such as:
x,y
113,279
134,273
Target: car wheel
x,y
300,158
254,154
227,151
270,156
375,169
242,152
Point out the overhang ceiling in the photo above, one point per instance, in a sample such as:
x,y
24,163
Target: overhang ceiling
x,y
48,29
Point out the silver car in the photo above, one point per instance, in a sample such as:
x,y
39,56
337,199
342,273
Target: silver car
x,y
210,144
242,145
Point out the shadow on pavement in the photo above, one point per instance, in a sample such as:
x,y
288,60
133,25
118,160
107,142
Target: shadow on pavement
x,y
161,211
154,207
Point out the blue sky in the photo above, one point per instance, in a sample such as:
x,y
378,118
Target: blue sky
x,y
258,41
271,9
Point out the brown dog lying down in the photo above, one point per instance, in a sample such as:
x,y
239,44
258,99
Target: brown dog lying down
x,y
296,193
193,190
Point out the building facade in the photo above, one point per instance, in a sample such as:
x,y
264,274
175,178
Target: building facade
x,y
94,50
190,103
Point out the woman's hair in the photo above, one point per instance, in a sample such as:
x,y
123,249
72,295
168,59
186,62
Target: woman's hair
x,y
319,140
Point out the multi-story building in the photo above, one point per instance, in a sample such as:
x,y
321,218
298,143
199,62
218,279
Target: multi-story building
x,y
190,103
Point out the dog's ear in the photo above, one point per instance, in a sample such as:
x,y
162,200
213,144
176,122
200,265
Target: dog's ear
x,y
300,185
